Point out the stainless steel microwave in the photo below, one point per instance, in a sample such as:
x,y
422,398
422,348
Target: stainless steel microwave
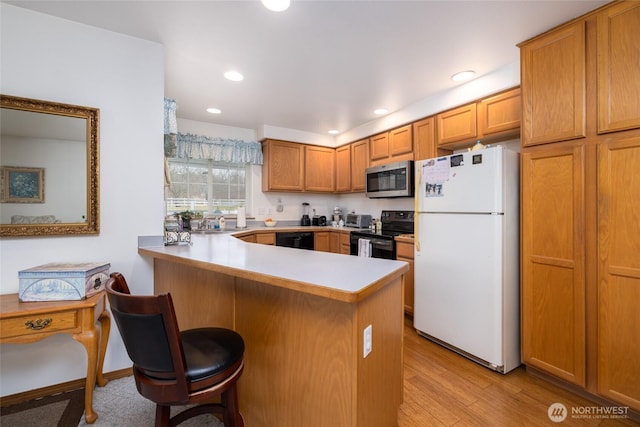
x,y
390,180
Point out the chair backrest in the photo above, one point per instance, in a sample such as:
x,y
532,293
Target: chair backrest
x,y
150,333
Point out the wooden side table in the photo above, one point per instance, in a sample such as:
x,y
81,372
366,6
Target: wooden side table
x,y
27,322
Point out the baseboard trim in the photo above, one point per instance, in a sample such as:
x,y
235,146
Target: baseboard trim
x,y
633,414
58,388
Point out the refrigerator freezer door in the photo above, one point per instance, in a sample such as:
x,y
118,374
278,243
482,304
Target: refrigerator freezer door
x,y
459,280
465,182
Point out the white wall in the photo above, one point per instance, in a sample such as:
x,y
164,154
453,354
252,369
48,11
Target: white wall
x,y
52,59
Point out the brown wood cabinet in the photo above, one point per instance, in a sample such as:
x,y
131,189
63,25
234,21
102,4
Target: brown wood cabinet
x,y
334,242
345,244
401,143
553,247
322,241
580,204
404,252
499,115
424,138
283,166
351,162
266,238
619,67
319,169
343,169
553,86
289,166
394,145
456,125
359,163
490,119
619,270
379,145
250,238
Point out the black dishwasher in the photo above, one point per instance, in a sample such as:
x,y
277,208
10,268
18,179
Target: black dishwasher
x,y
295,239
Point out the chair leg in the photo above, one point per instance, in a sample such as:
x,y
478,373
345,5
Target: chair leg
x,y
231,416
163,414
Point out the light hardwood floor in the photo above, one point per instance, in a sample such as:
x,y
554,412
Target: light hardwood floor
x,y
442,388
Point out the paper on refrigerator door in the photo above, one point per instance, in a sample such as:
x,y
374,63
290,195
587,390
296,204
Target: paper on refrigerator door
x,y
435,171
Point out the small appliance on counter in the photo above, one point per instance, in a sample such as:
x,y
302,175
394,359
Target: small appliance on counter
x,y
320,220
358,221
305,221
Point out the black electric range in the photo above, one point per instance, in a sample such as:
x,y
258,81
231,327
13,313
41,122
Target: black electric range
x,y
381,244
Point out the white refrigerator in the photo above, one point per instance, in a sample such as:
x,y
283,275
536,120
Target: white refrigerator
x,y
467,289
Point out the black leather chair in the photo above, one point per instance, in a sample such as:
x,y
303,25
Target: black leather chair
x,y
173,367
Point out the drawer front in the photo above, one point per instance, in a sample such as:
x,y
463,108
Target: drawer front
x,y
404,250
38,324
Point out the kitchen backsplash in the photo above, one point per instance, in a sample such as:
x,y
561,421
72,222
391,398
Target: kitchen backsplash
x,y
324,205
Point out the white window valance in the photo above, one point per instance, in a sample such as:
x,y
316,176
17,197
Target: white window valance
x,y
218,149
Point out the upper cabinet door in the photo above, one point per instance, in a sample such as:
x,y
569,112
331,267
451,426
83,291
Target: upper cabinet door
x,y
424,132
553,86
401,141
500,114
457,125
283,168
343,168
359,164
379,145
619,67
319,169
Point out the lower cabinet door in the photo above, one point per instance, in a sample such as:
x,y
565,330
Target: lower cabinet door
x,y
553,253
619,271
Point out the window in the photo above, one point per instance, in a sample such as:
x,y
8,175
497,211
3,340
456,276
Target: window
x,y
206,187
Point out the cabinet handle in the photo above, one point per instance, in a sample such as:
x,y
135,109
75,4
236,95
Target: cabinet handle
x,y
37,324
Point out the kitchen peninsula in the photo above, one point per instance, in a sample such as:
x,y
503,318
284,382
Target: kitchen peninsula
x,y
303,316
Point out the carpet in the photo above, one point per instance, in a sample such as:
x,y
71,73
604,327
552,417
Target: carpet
x,y
117,404
59,410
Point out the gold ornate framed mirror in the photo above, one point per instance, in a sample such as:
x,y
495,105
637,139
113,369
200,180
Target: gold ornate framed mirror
x,y
49,168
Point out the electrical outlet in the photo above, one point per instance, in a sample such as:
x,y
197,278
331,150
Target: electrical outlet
x,y
261,211
367,341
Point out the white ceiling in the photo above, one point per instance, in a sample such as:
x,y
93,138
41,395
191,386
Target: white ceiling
x,y
321,64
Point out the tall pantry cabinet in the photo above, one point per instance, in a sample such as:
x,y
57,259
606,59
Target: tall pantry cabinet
x,y
581,203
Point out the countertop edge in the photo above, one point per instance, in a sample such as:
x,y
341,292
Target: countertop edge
x,y
159,252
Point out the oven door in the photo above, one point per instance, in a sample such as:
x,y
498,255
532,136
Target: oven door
x,y
378,247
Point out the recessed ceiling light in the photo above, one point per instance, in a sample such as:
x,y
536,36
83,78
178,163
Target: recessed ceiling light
x,y
463,75
380,111
234,76
276,5
214,110
334,131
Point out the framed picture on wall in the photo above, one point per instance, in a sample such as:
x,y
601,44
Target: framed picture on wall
x,y
21,185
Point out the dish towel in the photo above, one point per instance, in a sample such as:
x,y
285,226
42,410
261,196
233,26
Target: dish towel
x,y
364,248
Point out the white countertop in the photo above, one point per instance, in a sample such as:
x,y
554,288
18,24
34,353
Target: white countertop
x,y
343,277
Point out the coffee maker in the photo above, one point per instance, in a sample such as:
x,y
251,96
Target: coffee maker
x,y
305,220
